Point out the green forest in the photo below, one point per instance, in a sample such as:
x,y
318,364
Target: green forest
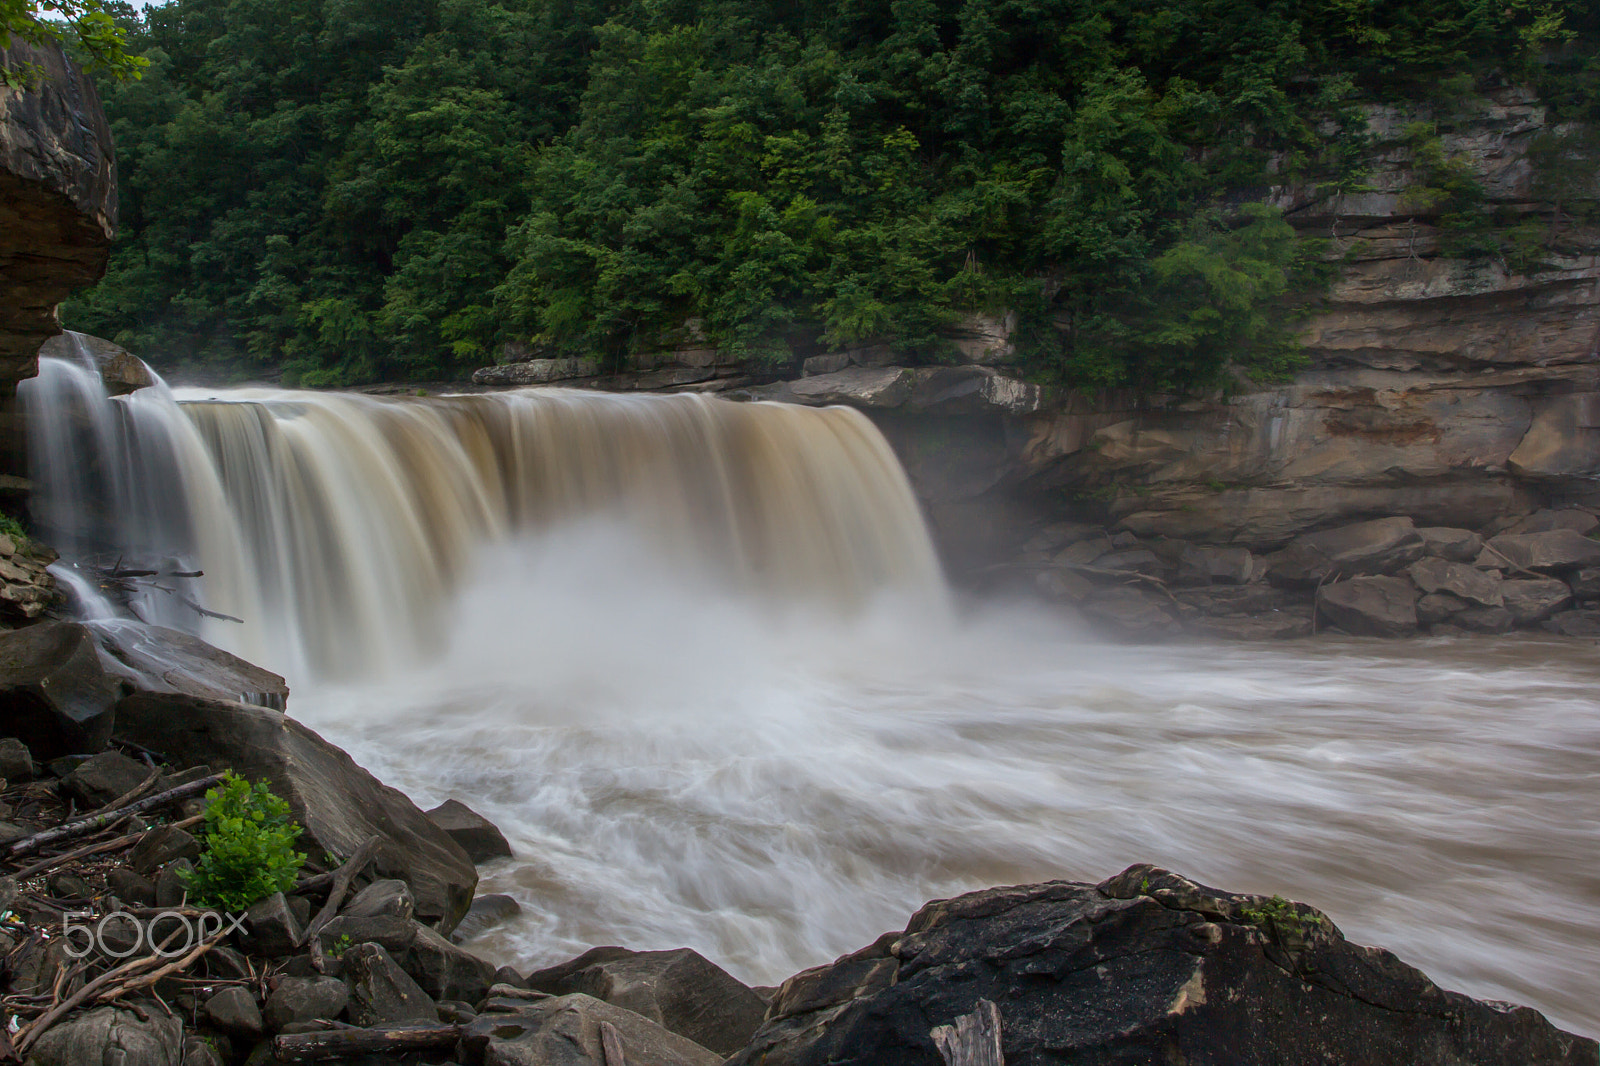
x,y
350,191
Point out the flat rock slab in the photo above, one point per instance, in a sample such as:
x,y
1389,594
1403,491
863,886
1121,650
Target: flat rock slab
x,y
1468,582
571,1031
1381,546
1556,550
1147,967
1370,606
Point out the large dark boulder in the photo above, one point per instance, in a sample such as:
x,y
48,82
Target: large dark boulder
x,y
339,804
680,990
570,1031
480,838
1147,967
54,696
1370,606
1381,546
154,659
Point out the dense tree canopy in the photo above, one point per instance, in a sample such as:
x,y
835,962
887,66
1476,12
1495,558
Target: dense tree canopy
x,y
361,189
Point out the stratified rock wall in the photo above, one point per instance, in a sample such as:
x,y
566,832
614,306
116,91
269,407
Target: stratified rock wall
x,y
58,201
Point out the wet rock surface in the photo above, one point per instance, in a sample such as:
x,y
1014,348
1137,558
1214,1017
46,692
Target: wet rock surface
x,y
1145,967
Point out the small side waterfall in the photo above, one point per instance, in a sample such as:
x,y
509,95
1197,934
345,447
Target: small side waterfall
x,y
336,526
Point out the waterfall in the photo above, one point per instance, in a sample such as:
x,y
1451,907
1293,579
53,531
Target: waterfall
x,y
332,529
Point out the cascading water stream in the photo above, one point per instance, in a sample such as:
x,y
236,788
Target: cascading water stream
x,y
332,529
694,659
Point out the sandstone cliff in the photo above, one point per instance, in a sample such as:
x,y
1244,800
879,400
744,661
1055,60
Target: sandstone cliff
x,y
58,201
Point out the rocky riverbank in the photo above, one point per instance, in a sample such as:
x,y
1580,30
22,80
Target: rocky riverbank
x,y
361,958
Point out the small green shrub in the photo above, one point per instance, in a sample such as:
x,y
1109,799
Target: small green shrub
x,y
249,846
12,528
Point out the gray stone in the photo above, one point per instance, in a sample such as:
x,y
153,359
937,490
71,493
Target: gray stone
x,y
1484,620
112,1036
1435,607
1586,583
1370,606
54,696
537,372
226,963
1455,545
381,897
303,999
680,990
1276,624
1146,967
338,804
171,890
1548,520
1063,585
131,887
487,911
199,1051
444,970
16,762
565,1031
1241,599
478,836
155,660
1574,623
1200,564
162,845
856,386
1131,611
830,363
272,927
1557,550
99,780
66,884
380,991
1468,582
1138,560
1382,546
1532,600
234,1010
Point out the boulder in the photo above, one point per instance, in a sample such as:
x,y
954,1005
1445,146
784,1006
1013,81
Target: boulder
x,y
1276,624
1585,586
272,928
1548,520
54,696
160,846
444,970
1554,551
1200,564
381,993
1147,967
382,897
338,803
1240,599
16,761
478,836
1533,600
1435,607
97,781
131,887
680,990
1456,545
1382,546
153,659
487,911
1131,611
120,371
234,1010
1370,606
112,1036
1468,582
1493,620
857,386
304,999
569,1031
1574,623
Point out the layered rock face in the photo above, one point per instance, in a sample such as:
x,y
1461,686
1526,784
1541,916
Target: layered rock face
x,y
58,201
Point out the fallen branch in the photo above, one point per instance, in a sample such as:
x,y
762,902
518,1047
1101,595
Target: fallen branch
x,y
104,818
342,1043
95,849
35,1029
134,793
341,884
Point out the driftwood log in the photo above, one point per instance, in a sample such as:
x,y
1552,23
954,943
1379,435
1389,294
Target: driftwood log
x,y
69,830
344,1043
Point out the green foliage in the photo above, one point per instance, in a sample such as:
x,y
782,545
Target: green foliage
x,y
12,528
1282,918
248,846
359,190
86,26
